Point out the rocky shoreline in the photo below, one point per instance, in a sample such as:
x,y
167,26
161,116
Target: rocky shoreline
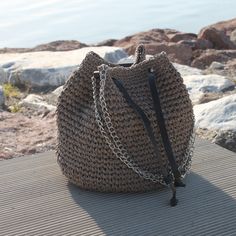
x,y
35,77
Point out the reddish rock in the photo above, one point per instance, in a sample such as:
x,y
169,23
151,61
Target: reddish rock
x,y
226,26
156,41
190,42
203,44
129,43
204,59
176,52
218,38
197,44
182,36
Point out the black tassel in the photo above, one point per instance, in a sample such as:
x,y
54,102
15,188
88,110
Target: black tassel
x,y
173,200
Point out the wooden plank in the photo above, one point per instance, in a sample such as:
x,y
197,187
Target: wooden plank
x,y
36,199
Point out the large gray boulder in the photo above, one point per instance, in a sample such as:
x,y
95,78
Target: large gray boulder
x,y
40,70
2,98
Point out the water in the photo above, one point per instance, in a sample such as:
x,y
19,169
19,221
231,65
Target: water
x,y
26,23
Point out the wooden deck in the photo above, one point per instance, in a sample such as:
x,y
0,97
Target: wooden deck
x,y
36,199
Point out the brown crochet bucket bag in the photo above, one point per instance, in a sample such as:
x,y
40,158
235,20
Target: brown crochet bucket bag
x,y
125,129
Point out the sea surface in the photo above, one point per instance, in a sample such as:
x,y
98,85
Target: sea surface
x,y
26,23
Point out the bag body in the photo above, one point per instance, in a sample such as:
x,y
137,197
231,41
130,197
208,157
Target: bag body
x,y
87,147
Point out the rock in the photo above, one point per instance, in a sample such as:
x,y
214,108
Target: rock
x,y
198,44
187,70
127,60
205,58
216,66
112,54
51,98
189,43
57,91
36,102
226,26
39,79
218,38
153,36
108,42
233,36
203,44
2,98
217,115
158,40
13,50
207,97
176,52
227,69
199,85
182,36
216,121
3,75
45,70
226,139
60,45
219,69
230,69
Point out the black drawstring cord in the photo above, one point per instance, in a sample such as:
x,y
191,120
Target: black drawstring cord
x,y
174,180
165,137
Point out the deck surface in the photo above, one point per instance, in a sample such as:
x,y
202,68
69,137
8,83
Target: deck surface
x,y
36,199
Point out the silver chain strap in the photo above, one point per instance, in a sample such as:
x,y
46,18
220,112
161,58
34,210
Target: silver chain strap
x,y
114,142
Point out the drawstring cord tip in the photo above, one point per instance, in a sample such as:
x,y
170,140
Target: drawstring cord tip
x,y
173,200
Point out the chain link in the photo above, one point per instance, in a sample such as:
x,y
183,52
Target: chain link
x,y
114,142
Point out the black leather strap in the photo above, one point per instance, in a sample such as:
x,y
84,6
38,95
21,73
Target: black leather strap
x,y
162,126
146,124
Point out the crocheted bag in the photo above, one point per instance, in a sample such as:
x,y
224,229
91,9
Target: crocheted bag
x,y
125,129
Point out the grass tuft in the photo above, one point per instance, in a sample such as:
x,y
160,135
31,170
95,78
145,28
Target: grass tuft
x,y
10,91
15,108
